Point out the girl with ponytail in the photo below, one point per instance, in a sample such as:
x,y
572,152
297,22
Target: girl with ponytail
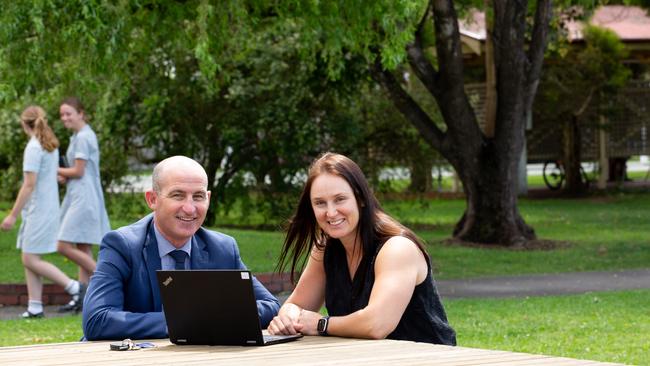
x,y
38,205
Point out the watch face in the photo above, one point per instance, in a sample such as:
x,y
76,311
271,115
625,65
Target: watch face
x,y
322,326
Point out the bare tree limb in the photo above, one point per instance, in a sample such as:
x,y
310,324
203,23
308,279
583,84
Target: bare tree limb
x,y
408,107
422,66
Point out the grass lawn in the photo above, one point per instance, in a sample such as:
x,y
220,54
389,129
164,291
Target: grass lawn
x,y
604,232
609,326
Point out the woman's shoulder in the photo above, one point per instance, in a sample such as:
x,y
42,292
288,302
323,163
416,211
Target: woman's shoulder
x,y
400,246
399,240
400,253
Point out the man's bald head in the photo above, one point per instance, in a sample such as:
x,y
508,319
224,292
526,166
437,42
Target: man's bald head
x,y
179,198
175,163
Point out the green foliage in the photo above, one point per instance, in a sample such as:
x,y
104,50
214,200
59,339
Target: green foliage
x,y
252,89
602,58
583,77
337,30
127,207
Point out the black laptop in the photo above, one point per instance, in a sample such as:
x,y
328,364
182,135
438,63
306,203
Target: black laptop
x,y
213,307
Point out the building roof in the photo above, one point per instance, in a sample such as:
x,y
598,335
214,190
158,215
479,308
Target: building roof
x,y
630,23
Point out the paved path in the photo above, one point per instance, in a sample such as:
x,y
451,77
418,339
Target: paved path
x,y
493,287
542,285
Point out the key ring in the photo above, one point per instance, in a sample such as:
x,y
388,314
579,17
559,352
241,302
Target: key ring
x,y
129,345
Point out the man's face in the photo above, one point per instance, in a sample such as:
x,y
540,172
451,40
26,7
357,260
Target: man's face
x,y
181,205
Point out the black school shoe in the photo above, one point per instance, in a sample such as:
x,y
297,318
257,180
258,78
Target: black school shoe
x,y
28,315
76,304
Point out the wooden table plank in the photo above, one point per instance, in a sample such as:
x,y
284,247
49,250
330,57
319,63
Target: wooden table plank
x,y
308,351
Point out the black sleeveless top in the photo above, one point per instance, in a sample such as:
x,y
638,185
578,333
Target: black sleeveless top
x,y
424,319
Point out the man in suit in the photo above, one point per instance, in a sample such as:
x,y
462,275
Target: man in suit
x,y
123,299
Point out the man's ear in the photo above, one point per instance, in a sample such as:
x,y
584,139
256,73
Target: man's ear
x,y
152,199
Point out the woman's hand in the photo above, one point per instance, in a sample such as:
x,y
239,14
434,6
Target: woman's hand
x,y
286,322
8,223
308,321
285,325
61,179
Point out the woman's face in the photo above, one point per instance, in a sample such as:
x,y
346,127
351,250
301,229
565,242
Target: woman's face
x,y
335,207
71,118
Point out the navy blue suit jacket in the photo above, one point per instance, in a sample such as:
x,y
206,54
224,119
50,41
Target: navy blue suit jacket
x,y
123,299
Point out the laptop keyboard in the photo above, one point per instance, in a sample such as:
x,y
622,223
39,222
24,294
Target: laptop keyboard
x,y
271,338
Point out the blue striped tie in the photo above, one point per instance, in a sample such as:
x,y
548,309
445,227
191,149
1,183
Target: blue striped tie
x,y
179,258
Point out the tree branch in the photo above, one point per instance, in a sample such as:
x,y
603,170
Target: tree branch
x,y
407,106
423,21
419,62
422,66
543,14
585,103
448,46
449,89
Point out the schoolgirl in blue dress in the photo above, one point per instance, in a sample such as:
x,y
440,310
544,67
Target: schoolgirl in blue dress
x,y
38,205
84,220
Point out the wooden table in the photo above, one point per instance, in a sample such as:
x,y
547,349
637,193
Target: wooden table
x,y
309,351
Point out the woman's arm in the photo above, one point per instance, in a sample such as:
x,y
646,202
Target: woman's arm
x,y
75,171
308,296
29,181
400,266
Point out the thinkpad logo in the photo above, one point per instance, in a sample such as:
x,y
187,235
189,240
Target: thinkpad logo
x,y
167,281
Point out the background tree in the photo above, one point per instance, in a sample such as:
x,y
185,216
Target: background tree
x,y
244,71
388,33
159,88
576,89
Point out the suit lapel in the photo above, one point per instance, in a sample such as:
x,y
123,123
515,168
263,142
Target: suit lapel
x,y
200,258
152,261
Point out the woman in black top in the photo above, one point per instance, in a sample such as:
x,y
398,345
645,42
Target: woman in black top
x,y
372,273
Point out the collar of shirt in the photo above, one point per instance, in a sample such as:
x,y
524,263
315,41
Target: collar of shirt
x,y
165,247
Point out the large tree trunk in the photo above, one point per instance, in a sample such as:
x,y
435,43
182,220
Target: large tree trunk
x,y
486,165
492,215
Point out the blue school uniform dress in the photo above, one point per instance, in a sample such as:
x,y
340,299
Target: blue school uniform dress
x,y
83,214
37,232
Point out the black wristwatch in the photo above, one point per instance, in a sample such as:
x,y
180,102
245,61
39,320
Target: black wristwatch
x,y
322,325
